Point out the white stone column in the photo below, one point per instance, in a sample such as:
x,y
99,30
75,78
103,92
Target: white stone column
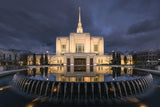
x,y
65,69
72,69
58,46
94,69
72,61
87,60
101,46
67,47
94,60
65,60
88,69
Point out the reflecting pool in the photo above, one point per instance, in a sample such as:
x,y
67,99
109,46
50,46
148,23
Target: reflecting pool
x,y
89,83
13,95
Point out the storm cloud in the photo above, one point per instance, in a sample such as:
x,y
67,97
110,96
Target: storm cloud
x,y
126,25
144,26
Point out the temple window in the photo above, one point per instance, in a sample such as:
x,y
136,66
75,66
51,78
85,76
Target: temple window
x,y
98,60
79,48
63,48
95,48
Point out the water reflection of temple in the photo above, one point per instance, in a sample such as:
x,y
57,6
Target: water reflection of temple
x,y
98,73
95,69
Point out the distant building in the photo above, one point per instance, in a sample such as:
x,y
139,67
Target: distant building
x,y
148,57
8,57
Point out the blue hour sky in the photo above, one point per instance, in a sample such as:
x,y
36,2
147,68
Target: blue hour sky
x,y
126,25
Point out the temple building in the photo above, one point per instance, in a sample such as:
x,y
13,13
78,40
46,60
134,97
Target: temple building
x,y
79,48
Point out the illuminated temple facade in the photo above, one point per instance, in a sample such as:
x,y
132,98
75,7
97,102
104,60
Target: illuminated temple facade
x,y
79,49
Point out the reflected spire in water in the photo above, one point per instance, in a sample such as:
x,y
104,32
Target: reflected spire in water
x,y
97,73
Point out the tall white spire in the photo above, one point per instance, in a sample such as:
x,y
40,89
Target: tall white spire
x,y
79,28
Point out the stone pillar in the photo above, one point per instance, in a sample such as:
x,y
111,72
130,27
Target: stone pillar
x,y
65,69
88,64
72,61
94,60
65,60
67,47
58,46
94,69
87,60
72,69
101,46
88,69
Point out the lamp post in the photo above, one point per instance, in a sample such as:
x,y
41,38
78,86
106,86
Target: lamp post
x,y
46,52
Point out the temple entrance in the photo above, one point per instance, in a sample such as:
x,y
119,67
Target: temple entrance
x,y
80,61
68,61
91,61
79,68
80,64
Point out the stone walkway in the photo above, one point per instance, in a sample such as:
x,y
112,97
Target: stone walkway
x,y
5,73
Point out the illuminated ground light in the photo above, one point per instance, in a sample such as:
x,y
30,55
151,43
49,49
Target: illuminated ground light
x,y
36,99
27,83
136,101
142,105
139,83
30,105
39,99
55,89
5,87
158,86
133,100
111,89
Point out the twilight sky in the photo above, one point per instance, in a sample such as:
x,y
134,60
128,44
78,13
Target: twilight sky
x,y
126,25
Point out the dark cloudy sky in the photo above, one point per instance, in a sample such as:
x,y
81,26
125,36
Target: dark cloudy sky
x,y
124,24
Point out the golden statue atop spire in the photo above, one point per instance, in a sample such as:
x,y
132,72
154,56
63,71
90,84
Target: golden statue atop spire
x,y
79,28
